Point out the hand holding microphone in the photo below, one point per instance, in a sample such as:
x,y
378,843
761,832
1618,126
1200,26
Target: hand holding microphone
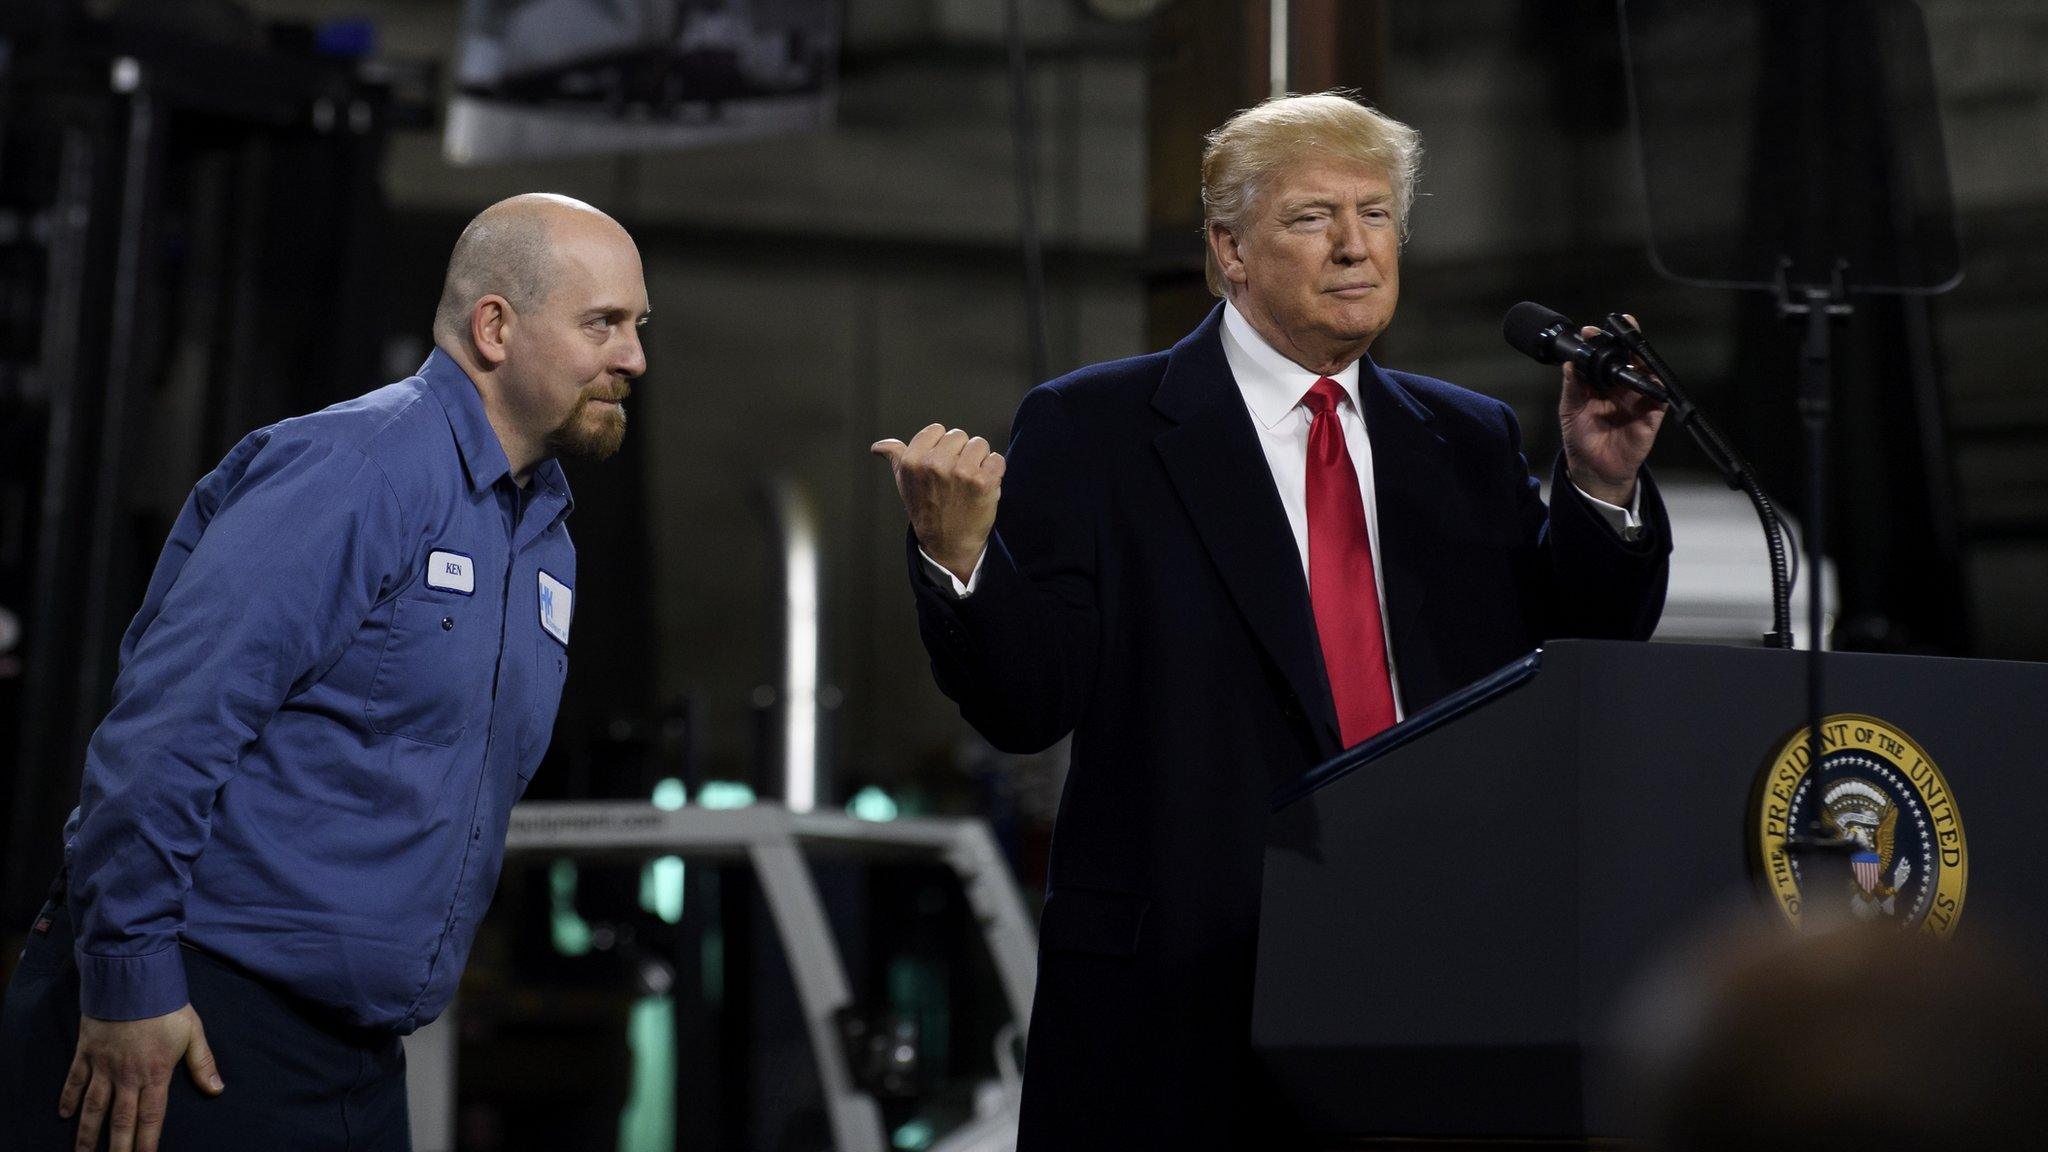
x,y
1596,354
1607,430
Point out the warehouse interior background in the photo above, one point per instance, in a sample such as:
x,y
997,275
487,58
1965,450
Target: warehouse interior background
x,y
268,235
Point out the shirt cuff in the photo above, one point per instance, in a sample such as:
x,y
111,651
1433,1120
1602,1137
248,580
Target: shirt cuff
x,y
940,575
131,987
1626,522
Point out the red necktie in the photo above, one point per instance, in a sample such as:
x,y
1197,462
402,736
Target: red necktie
x,y
1341,585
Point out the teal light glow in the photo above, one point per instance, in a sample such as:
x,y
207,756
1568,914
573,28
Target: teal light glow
x,y
670,795
661,888
725,794
918,989
571,932
648,1121
871,803
914,1136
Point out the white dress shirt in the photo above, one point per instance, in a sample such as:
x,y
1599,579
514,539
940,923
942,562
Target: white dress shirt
x,y
1273,386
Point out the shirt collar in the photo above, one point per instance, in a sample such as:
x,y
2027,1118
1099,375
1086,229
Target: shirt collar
x,y
1272,384
483,456
548,476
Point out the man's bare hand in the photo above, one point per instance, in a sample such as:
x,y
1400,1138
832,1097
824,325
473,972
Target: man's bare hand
x,y
1606,438
949,482
127,1065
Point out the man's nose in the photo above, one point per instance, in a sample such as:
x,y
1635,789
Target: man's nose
x,y
1347,240
632,362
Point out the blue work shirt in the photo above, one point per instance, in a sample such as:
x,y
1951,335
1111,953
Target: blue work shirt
x,y
342,676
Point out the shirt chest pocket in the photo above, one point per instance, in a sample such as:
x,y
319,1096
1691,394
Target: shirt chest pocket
x,y
434,675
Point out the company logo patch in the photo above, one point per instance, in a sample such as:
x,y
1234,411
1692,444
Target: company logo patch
x,y
1888,811
556,606
451,572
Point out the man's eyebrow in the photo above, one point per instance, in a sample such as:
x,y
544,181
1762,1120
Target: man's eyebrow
x,y
1290,207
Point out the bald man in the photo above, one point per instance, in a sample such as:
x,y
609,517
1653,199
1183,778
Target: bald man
x,y
343,674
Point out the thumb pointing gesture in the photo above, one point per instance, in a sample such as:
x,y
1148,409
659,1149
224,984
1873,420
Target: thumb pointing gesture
x,y
949,483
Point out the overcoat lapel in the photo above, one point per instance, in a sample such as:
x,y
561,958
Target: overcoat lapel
x,y
1213,455
1409,479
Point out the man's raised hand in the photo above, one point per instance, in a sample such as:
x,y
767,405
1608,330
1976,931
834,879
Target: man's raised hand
x,y
950,483
1606,437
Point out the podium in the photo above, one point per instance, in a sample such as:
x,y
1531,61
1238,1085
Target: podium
x,y
1454,910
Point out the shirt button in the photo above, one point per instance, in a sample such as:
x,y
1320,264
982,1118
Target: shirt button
x,y
447,623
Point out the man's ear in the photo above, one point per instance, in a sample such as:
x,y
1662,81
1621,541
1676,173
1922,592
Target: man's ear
x,y
1223,246
490,328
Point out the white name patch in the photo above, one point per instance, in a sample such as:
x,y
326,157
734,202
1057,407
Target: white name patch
x,y
451,572
555,608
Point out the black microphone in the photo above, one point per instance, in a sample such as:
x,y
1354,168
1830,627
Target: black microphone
x,y
1548,338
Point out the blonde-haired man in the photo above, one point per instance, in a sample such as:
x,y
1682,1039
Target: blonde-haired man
x,y
1223,563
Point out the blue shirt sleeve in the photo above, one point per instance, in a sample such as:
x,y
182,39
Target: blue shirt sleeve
x,y
274,562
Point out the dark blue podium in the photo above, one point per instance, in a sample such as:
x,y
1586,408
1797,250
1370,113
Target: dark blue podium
x,y
1453,910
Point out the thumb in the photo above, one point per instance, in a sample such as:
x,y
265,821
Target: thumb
x,y
888,449
199,1061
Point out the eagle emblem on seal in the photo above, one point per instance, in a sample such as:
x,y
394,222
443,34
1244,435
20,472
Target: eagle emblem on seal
x,y
1854,810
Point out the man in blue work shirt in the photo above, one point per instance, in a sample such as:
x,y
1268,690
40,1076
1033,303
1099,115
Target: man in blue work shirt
x,y
343,673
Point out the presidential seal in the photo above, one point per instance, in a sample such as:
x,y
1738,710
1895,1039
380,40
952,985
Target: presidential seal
x,y
1878,790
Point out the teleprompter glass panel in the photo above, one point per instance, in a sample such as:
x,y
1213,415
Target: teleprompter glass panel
x,y
1799,140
